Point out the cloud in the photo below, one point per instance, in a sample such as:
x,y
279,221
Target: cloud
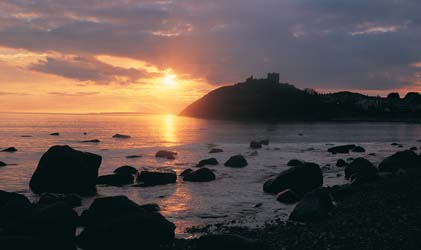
x,y
73,94
88,69
14,93
325,44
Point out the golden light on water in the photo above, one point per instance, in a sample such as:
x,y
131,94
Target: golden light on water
x,y
168,128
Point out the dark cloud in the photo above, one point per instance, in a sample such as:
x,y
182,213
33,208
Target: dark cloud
x,y
324,43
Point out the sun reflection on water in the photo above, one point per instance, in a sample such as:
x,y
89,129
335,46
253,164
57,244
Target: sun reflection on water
x,y
168,129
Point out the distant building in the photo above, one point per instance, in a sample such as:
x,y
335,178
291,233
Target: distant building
x,y
273,77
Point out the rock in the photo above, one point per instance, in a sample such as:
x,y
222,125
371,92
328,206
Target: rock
x,y
215,150
361,167
255,145
395,144
414,149
341,163
372,154
358,149
26,136
339,192
148,178
115,222
2,164
55,134
125,170
5,197
315,206
72,200
63,169
200,175
133,156
295,162
301,179
236,161
170,155
288,197
264,142
226,242
116,179
92,141
151,207
210,161
186,172
344,149
403,159
9,150
121,136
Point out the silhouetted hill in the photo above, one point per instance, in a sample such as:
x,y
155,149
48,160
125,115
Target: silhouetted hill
x,y
267,99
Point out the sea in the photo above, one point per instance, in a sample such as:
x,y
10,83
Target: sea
x,y
235,197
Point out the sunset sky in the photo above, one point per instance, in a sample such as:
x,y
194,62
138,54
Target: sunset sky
x,y
159,56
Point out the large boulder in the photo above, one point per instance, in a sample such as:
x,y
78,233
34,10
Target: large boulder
x,y
116,179
288,197
63,169
315,206
341,149
301,179
200,175
403,159
125,170
294,162
117,222
226,242
236,161
170,155
210,161
72,200
361,167
156,177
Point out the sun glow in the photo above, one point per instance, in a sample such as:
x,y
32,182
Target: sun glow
x,y
170,80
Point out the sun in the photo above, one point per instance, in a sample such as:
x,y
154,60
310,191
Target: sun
x,y
170,80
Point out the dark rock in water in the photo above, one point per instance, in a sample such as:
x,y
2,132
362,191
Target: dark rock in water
x,y
2,164
151,207
65,170
255,145
133,156
210,161
258,205
121,136
125,170
170,155
288,197
226,242
264,142
414,149
403,159
341,163
400,146
236,161
350,159
115,222
301,179
153,177
315,206
9,150
186,172
72,200
344,149
55,134
116,179
395,144
372,154
361,167
358,149
84,133
26,136
295,162
200,175
92,141
215,150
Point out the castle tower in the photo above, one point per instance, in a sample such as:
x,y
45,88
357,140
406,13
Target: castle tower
x,y
273,77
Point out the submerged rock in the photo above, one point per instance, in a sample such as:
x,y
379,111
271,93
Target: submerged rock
x,y
116,179
121,136
115,222
403,159
156,177
236,161
55,134
301,179
63,169
9,150
210,161
125,170
200,175
133,156
215,150
341,149
314,206
226,242
288,196
170,155
92,141
255,145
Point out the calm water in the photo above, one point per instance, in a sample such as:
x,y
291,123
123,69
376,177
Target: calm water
x,y
235,192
